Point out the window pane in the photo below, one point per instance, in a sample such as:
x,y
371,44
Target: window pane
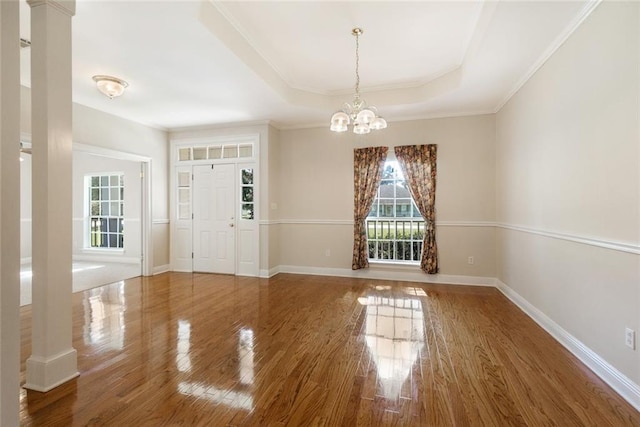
x,y
199,153
113,240
247,194
247,211
95,181
247,176
184,154
184,179
122,180
215,152
403,208
115,208
230,151
121,209
104,181
121,193
104,208
114,180
120,241
246,150
184,212
95,194
374,209
371,229
113,225
104,193
95,208
416,212
183,195
115,194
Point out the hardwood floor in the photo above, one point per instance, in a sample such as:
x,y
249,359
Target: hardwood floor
x,y
180,349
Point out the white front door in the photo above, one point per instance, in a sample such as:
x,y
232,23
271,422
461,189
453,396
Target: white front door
x,y
214,243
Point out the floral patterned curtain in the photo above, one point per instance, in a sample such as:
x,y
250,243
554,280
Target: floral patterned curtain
x,y
418,164
368,164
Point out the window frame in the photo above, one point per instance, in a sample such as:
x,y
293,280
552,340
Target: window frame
x,y
381,221
88,211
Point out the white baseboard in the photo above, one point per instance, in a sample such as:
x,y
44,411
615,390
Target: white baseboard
x,y
266,274
626,388
159,269
383,274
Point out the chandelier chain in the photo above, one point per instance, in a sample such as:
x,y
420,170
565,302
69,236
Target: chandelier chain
x,y
357,65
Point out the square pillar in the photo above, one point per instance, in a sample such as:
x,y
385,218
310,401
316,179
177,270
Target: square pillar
x,y
53,360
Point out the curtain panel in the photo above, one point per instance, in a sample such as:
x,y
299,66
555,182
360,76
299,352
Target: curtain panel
x,y
368,164
418,164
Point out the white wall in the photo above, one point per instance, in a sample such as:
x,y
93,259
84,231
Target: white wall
x,y
85,164
315,177
98,129
568,169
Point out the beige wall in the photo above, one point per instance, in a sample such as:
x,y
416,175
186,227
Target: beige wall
x,y
315,176
98,129
568,163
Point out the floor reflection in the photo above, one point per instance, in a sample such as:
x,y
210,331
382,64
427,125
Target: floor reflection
x,y
104,309
394,333
183,355
245,355
240,396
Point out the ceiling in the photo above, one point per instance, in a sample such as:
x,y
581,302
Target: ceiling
x,y
199,63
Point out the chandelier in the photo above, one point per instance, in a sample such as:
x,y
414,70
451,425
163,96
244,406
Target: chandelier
x,y
364,118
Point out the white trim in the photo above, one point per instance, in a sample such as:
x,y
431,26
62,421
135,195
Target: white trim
x,y
104,257
553,47
159,269
350,222
614,378
107,152
160,221
387,272
628,247
26,260
632,248
465,224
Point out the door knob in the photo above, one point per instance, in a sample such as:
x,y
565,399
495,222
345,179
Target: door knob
x,y
231,225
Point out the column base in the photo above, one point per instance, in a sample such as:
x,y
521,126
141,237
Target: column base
x,y
46,374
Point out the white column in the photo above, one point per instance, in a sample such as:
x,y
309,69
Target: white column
x,y
9,212
53,360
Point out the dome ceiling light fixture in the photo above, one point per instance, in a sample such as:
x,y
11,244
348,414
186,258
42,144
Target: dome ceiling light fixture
x,y
110,86
365,118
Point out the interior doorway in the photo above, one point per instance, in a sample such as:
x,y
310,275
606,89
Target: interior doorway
x,y
108,215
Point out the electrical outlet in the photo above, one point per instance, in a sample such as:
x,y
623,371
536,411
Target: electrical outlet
x,y
630,338
470,260
327,252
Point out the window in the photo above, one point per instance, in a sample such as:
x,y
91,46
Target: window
x,y
106,210
395,228
247,194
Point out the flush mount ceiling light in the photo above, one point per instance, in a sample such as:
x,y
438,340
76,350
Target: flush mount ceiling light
x,y
365,118
110,86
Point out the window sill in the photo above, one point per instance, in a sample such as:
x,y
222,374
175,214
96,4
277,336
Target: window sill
x,y
103,250
392,263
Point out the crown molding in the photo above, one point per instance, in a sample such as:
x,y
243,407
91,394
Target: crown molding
x,y
68,7
548,53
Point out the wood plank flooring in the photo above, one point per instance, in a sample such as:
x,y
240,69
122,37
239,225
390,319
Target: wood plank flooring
x,y
209,350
